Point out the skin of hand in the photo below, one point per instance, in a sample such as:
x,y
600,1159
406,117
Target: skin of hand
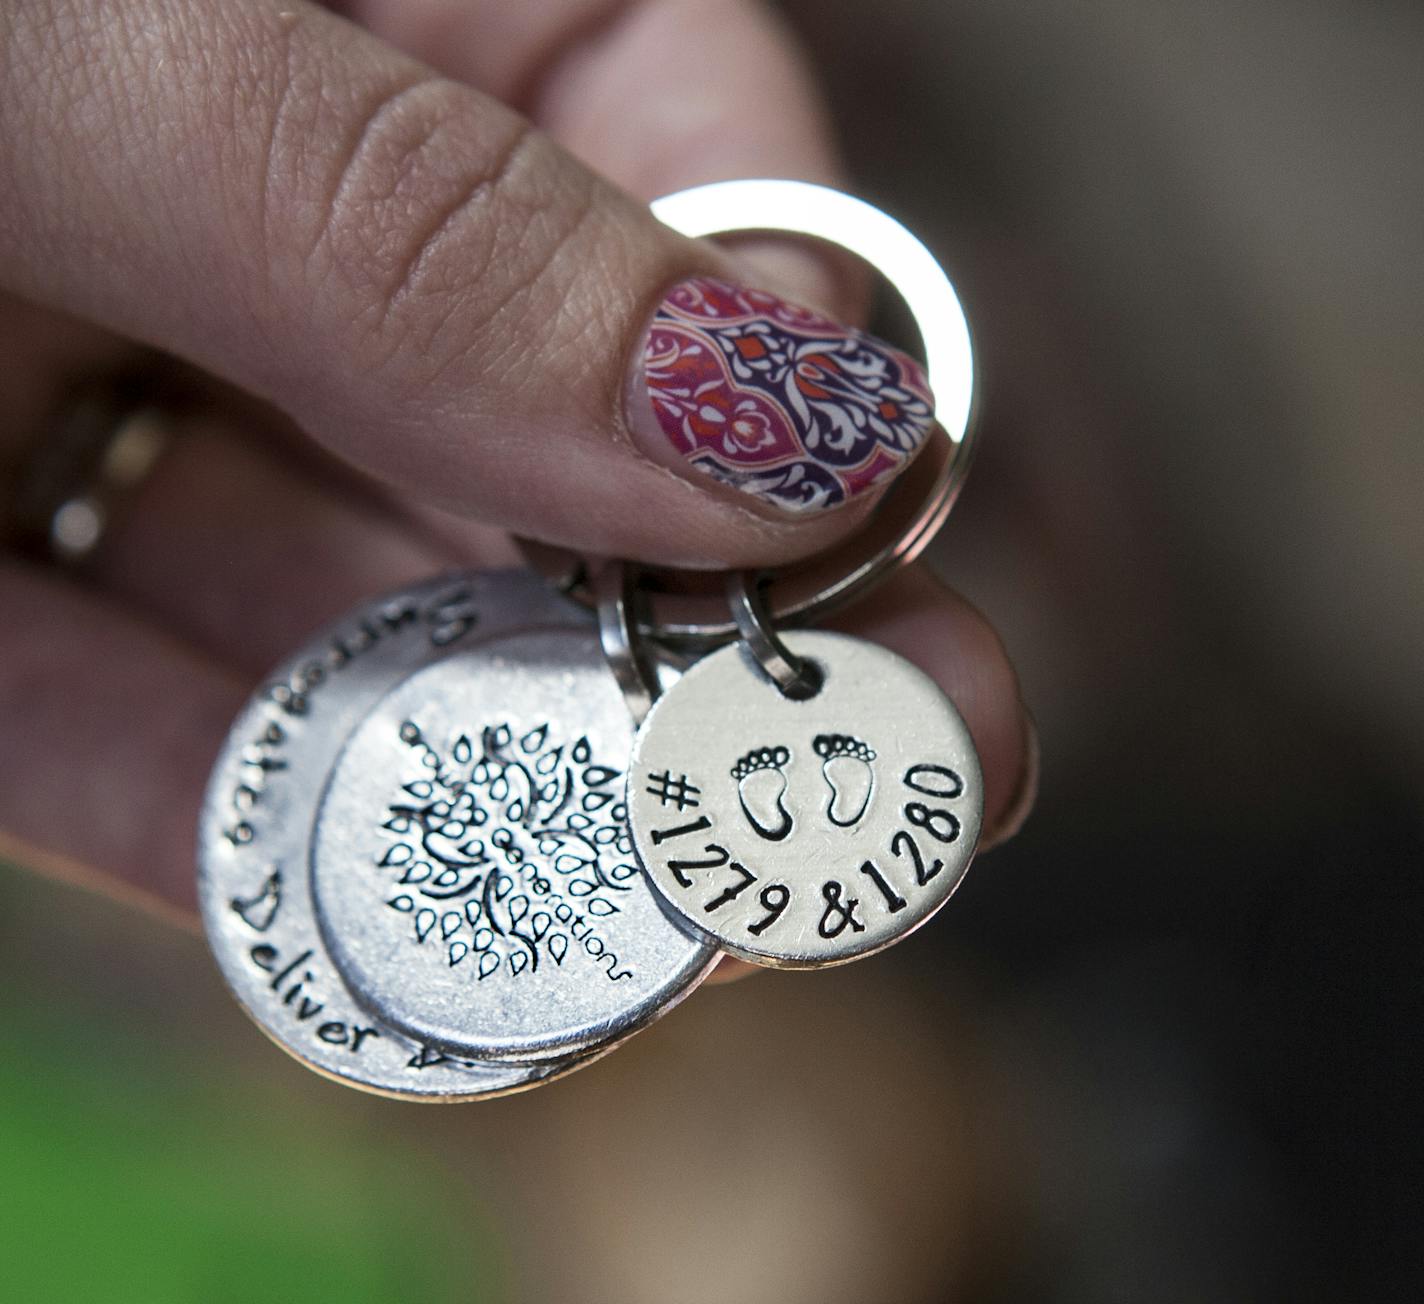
x,y
385,233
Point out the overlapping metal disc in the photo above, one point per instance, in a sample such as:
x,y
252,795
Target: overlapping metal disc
x,y
415,868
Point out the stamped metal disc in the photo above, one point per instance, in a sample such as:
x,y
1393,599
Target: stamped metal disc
x,y
254,834
805,833
472,864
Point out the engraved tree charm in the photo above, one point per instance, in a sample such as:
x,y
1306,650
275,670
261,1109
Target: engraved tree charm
x,y
503,848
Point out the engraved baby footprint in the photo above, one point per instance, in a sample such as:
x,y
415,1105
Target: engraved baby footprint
x,y
761,785
845,761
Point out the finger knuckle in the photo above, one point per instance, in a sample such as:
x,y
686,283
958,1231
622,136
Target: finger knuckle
x,y
441,217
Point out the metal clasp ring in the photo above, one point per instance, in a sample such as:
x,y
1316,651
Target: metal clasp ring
x,y
915,506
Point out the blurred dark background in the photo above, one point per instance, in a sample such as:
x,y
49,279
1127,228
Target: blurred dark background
x,y
1159,1048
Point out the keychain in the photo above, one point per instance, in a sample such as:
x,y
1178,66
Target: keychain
x,y
480,831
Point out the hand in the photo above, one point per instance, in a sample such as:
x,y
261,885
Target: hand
x,y
434,293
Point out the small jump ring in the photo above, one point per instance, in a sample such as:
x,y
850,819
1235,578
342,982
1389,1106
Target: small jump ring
x,y
794,676
615,589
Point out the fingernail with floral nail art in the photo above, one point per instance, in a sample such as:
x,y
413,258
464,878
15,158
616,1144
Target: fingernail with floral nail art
x,y
776,400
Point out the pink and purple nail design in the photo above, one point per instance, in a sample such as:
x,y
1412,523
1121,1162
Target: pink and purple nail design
x,y
779,401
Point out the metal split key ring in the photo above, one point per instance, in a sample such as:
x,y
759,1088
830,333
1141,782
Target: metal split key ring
x,y
915,507
908,516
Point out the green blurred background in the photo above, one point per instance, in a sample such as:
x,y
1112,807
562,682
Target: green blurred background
x,y
155,1148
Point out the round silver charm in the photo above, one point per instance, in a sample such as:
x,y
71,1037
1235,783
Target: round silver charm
x,y
805,833
257,819
472,865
